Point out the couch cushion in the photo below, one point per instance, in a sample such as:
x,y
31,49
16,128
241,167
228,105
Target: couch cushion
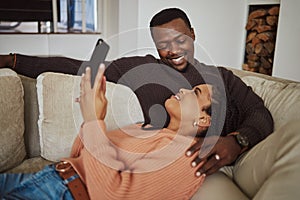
x,y
60,116
12,148
281,98
31,113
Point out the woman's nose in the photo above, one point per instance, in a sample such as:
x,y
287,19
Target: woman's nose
x,y
184,91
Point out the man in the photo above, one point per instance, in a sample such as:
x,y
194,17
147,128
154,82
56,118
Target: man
x,y
246,120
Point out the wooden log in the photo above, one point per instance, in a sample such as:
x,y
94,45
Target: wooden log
x,y
272,20
250,36
274,10
250,24
262,28
265,36
247,68
255,41
263,52
249,48
270,60
265,63
257,13
258,48
252,57
253,64
261,21
270,46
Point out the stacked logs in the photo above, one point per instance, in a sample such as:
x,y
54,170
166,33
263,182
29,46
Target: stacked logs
x,y
260,41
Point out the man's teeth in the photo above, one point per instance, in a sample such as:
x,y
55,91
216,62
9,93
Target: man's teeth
x,y
177,59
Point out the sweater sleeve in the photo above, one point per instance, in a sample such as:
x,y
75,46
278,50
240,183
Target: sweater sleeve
x,y
255,120
32,66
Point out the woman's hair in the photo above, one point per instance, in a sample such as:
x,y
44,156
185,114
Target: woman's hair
x,y
168,15
212,111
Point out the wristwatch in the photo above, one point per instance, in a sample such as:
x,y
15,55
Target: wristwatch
x,y
242,140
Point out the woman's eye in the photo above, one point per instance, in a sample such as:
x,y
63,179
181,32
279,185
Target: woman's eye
x,y
208,110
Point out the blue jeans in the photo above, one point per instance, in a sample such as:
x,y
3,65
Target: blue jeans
x,y
45,184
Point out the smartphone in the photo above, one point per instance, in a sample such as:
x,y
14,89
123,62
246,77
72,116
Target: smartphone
x,y
98,57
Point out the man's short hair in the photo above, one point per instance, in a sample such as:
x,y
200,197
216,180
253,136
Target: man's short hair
x,y
168,15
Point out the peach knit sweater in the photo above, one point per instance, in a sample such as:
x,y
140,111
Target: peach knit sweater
x,y
130,163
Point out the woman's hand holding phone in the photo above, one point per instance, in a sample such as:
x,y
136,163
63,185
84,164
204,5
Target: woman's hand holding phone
x,y
92,100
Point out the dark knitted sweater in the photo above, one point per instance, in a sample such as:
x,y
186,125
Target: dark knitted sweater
x,y
239,108
153,82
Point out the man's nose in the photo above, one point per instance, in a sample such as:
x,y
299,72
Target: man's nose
x,y
173,48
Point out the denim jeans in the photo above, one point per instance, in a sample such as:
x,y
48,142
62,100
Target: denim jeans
x,y
45,184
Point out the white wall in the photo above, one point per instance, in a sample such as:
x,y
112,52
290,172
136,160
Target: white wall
x,y
220,31
77,46
219,27
220,36
287,50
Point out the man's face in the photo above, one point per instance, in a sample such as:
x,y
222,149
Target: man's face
x,y
175,43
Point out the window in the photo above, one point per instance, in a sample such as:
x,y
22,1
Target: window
x,y
37,16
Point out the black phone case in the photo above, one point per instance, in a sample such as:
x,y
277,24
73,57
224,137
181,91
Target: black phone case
x,y
98,57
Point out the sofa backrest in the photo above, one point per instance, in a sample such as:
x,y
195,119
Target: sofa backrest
x,y
281,96
12,148
282,100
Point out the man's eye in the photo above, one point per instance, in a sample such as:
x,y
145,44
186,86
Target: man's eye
x,y
161,47
180,41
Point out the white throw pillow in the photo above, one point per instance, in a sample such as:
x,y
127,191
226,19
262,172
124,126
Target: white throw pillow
x,y
282,99
60,117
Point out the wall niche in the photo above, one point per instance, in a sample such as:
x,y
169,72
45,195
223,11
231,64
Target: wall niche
x,y
261,30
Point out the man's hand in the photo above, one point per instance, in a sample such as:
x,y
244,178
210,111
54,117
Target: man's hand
x,y
93,103
214,153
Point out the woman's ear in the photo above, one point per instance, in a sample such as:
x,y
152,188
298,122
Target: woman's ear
x,y
204,121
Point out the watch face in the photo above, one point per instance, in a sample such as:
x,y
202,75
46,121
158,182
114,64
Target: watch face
x,y
242,140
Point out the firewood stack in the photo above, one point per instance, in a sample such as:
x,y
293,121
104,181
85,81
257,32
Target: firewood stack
x,y
260,42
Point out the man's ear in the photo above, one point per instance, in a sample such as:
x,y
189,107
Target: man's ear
x,y
193,34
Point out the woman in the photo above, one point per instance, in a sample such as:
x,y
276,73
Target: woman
x,y
128,163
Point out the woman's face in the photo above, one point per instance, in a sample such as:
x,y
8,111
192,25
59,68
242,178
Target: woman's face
x,y
189,106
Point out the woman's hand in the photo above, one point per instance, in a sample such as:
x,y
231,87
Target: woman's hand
x,y
93,103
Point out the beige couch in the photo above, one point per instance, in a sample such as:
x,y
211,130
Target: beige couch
x,y
39,119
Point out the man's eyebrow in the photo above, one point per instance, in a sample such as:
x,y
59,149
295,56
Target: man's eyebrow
x,y
165,41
